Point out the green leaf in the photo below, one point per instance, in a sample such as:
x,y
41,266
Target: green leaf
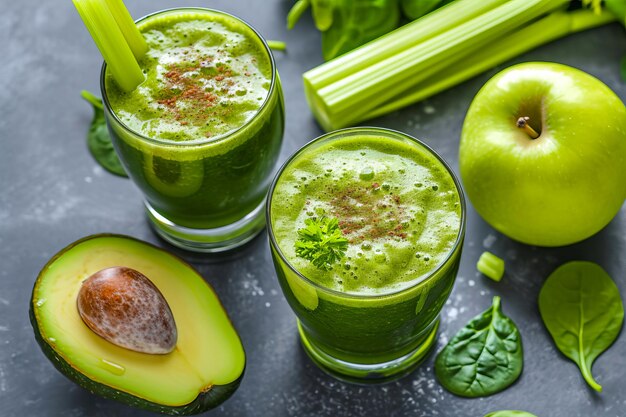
x,y
484,357
356,22
414,9
617,8
321,242
582,309
510,413
98,139
323,13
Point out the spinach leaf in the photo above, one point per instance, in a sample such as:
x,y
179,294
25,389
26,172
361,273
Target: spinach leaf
x,y
510,413
414,9
98,139
485,357
582,309
323,13
348,24
356,22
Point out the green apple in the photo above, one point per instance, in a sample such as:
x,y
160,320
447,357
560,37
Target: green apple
x,y
543,154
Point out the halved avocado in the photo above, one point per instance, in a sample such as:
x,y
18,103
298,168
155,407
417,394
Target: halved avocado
x,y
203,370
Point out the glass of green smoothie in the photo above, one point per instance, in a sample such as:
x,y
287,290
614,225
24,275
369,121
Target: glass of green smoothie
x,y
201,135
366,227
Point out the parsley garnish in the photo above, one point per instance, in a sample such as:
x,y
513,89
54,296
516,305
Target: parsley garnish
x,y
321,242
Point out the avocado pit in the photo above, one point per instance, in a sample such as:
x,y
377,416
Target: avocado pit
x,y
125,308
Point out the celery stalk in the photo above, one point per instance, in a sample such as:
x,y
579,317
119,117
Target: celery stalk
x,y
552,27
432,24
111,42
455,42
354,95
127,25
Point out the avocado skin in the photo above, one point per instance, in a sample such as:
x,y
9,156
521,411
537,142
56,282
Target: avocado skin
x,y
205,401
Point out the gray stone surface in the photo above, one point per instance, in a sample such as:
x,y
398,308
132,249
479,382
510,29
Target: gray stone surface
x,y
52,193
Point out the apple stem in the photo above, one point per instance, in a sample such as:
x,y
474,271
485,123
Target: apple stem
x,y
522,123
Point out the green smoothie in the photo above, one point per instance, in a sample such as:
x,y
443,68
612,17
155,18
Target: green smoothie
x,y
201,135
204,78
400,210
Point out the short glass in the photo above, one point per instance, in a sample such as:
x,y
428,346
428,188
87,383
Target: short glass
x,y
205,195
368,338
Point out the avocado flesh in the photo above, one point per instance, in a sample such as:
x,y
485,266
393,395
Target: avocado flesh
x,y
208,353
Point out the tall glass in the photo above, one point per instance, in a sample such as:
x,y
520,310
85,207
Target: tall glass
x,y
206,194
367,338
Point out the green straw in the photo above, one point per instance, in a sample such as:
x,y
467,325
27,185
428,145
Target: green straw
x,y
117,37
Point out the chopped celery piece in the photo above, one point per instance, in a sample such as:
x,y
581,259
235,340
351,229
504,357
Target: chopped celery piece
x,y
111,42
491,266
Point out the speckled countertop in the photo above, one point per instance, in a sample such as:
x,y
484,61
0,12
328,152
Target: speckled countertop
x,y
52,193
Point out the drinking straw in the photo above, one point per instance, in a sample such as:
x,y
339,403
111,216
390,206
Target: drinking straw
x,y
117,37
